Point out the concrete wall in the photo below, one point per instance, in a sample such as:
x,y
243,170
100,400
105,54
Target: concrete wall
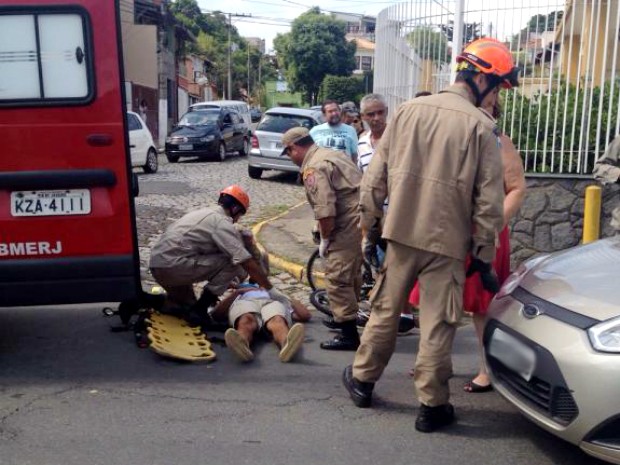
x,y
551,217
140,54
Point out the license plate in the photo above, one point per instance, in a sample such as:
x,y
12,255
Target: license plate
x,y
50,203
186,147
277,145
512,353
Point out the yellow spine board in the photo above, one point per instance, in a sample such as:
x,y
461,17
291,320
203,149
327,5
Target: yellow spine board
x,y
173,337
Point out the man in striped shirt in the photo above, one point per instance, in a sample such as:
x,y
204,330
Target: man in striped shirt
x,y
374,113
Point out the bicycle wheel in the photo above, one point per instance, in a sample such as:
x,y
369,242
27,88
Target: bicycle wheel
x,y
315,271
319,299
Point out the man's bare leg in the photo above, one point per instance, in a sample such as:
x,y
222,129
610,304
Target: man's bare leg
x,y
289,340
238,340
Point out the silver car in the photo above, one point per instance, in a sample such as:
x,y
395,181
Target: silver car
x,y
552,344
266,152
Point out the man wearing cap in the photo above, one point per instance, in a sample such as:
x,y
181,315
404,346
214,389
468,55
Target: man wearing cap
x,y
439,162
204,245
332,181
333,134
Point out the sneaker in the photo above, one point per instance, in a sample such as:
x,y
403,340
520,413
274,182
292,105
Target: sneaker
x,y
294,340
406,324
432,418
238,345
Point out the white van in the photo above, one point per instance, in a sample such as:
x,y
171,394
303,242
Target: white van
x,y
239,106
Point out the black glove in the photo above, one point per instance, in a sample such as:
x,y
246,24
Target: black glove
x,y
370,254
487,274
373,237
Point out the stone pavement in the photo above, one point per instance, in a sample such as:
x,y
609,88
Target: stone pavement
x,y
288,239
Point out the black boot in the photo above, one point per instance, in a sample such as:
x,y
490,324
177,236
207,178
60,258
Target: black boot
x,y
331,323
360,392
348,340
432,418
198,314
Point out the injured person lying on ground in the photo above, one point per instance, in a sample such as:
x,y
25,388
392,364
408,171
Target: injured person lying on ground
x,y
252,312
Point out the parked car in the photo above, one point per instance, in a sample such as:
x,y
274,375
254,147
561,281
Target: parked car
x,y
266,152
552,344
210,132
256,114
235,105
141,145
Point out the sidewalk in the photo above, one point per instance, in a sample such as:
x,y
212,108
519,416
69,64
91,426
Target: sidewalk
x,y
288,239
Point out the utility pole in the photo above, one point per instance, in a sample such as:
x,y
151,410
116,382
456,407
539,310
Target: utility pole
x,y
230,15
228,96
249,93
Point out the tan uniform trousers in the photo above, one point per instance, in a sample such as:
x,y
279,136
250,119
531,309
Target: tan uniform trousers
x,y
178,281
441,282
343,279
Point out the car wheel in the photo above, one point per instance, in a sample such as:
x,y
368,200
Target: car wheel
x,y
246,147
172,158
151,164
222,152
255,173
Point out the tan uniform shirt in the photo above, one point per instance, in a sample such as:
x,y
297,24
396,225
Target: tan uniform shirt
x,y
196,237
332,184
440,163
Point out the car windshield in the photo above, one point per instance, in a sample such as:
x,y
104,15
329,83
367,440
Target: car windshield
x,y
198,118
281,123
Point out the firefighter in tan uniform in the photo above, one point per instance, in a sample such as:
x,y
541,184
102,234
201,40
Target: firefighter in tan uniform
x,y
607,171
205,245
439,162
332,183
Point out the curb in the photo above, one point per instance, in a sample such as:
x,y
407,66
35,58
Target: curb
x,y
294,269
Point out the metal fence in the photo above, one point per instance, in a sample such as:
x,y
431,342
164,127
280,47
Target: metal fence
x,y
566,110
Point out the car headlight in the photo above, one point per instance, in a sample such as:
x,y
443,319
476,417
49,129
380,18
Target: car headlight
x,y
168,140
605,336
513,281
207,138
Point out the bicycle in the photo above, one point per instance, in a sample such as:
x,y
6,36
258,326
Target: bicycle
x,y
318,297
315,274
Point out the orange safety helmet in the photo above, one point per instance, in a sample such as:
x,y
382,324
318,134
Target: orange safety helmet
x,y
237,193
490,56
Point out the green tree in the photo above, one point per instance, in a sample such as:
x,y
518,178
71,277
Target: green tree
x,y
211,42
471,31
342,88
429,44
315,47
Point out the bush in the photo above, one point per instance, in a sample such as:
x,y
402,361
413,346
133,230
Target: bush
x,y
536,135
342,88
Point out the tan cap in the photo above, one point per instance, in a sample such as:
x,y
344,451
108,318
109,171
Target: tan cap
x,y
294,135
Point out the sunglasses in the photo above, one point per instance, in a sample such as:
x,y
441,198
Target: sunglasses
x,y
371,114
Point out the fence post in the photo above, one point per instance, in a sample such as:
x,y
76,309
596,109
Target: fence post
x,y
457,37
592,214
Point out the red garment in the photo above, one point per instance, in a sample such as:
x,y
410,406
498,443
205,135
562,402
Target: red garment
x,y
475,298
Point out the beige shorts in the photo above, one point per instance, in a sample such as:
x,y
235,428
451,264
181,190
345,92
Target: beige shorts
x,y
263,309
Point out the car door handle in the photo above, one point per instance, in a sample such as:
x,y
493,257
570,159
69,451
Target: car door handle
x,y
99,140
132,146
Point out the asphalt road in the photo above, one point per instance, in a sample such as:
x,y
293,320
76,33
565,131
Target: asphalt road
x,y
73,392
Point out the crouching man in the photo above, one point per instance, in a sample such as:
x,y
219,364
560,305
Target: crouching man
x,y
204,245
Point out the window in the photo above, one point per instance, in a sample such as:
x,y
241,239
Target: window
x,y
133,122
366,63
235,118
282,123
46,56
357,62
